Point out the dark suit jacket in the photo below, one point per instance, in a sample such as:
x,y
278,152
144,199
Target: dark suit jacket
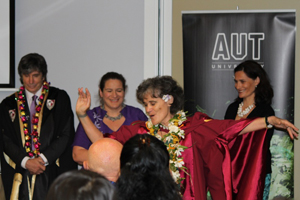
x,y
56,137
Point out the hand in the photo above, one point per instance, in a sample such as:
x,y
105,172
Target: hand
x,y
35,166
83,102
284,124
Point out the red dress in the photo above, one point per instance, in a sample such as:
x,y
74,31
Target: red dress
x,y
211,164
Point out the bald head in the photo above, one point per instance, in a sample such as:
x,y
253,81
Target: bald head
x,y
104,158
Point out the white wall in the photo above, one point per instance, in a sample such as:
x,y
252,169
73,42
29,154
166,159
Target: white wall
x,y
81,41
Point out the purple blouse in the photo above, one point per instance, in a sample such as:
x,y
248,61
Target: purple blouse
x,y
130,113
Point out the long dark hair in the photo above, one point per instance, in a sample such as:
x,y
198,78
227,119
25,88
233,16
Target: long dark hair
x,y
263,91
145,171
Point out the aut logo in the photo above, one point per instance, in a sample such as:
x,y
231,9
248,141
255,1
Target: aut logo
x,y
238,46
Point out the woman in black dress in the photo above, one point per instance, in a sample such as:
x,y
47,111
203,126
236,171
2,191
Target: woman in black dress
x,y
254,99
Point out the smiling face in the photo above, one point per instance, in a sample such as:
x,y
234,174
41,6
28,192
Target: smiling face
x,y
245,85
33,81
113,94
157,109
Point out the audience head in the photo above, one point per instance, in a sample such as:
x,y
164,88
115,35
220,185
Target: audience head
x,y
112,85
145,170
104,158
159,86
30,63
263,90
81,185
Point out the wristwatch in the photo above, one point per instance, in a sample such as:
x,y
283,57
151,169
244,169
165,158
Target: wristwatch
x,y
268,125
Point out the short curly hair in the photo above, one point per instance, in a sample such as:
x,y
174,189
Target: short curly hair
x,y
159,86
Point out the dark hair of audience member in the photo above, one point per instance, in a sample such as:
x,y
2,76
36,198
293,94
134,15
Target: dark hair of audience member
x,y
264,91
145,171
81,185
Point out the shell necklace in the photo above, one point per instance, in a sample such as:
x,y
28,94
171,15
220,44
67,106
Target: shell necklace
x,y
241,112
113,118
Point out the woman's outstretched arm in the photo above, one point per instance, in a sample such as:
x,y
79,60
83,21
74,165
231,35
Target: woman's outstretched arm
x,y
82,105
260,123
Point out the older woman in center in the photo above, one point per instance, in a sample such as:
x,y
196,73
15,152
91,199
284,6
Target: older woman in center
x,y
198,145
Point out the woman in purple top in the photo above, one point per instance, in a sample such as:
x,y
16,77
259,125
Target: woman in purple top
x,y
108,117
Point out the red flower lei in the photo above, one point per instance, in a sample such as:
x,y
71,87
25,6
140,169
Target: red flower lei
x,y
35,120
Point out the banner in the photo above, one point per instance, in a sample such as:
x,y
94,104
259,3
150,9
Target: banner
x,y
214,43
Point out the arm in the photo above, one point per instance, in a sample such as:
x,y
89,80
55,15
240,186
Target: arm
x,y
260,123
80,145
83,103
80,154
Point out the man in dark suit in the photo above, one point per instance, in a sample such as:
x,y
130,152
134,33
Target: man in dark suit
x,y
38,130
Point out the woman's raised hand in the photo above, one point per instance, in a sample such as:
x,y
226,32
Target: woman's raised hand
x,y
285,125
83,102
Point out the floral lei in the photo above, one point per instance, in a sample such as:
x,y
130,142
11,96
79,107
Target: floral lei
x,y
35,120
172,139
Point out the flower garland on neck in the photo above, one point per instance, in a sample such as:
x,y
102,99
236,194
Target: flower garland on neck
x,y
32,137
171,140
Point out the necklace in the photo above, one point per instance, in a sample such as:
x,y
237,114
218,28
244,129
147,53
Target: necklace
x,y
241,112
172,141
113,118
33,137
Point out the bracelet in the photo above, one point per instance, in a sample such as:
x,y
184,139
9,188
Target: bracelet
x,y
268,125
82,116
